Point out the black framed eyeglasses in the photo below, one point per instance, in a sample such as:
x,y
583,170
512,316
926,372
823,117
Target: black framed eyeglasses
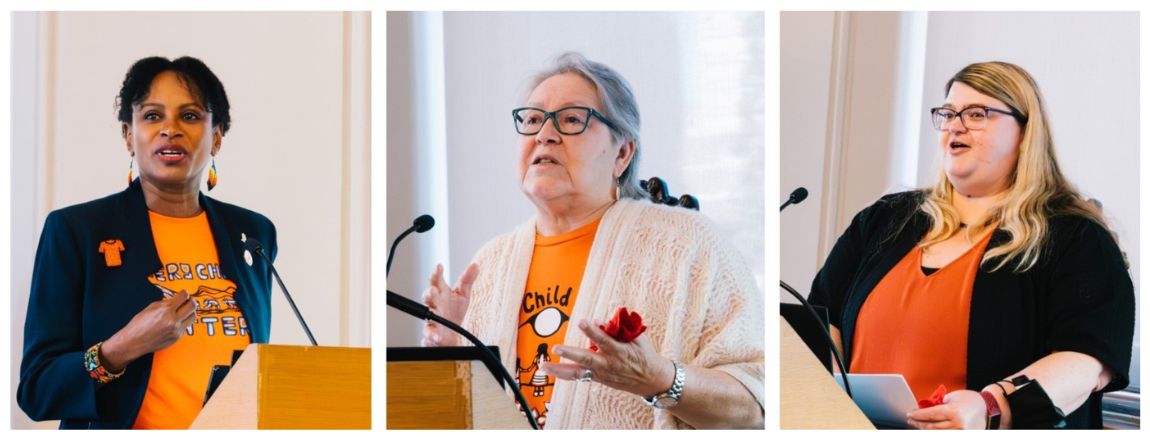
x,y
972,117
567,120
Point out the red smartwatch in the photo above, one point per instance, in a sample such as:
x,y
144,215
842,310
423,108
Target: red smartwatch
x,y
993,412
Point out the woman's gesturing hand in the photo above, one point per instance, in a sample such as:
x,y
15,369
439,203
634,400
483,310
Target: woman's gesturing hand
x,y
155,328
448,302
634,367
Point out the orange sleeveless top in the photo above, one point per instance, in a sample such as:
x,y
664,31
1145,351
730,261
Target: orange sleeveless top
x,y
916,324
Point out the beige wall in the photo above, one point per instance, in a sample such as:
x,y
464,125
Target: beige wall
x,y
848,83
298,151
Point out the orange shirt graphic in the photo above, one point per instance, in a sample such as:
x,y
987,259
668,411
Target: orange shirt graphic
x,y
916,324
180,372
111,250
553,280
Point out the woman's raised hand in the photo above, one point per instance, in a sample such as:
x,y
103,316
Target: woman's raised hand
x,y
448,302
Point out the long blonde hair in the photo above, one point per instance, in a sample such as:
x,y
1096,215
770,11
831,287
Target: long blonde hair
x,y
1038,191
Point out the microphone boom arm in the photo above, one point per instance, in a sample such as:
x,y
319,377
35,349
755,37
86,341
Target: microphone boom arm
x,y
797,196
421,311
394,245
258,248
826,333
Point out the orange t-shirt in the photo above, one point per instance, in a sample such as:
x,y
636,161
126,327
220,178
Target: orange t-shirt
x,y
916,324
181,371
553,280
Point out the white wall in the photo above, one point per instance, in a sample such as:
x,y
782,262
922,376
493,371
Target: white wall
x,y
1089,77
297,152
809,72
698,78
416,168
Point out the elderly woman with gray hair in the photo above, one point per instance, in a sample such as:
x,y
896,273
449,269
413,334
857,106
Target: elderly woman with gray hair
x,y
595,245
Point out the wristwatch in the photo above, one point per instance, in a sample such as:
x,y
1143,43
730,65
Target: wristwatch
x,y
993,412
669,398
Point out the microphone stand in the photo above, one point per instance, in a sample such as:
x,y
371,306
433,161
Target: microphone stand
x,y
394,245
826,333
797,196
422,224
421,311
259,250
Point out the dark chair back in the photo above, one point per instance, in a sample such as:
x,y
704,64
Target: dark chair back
x,y
657,188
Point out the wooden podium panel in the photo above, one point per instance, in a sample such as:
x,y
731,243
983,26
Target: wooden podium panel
x,y
446,388
293,387
809,398
421,394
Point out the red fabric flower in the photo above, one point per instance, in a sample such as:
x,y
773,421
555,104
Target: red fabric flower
x,y
934,399
624,327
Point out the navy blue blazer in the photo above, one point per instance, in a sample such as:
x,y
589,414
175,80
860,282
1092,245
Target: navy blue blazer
x,y
77,300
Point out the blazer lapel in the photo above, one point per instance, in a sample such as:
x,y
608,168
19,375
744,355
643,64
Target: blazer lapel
x,y
135,232
228,248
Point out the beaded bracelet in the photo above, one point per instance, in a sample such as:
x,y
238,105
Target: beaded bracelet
x,y
97,371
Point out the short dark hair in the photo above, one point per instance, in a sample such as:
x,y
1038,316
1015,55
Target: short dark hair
x,y
201,82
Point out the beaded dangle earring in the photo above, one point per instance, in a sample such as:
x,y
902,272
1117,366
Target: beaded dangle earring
x,y
213,177
130,160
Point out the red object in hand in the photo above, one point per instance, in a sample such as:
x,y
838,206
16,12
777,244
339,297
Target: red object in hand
x,y
935,399
624,327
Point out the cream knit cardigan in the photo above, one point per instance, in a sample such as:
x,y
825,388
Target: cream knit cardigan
x,y
696,296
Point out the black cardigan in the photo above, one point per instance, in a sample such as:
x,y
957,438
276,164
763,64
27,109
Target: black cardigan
x,y
1078,297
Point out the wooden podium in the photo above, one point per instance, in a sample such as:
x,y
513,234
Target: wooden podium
x,y
293,387
446,388
809,398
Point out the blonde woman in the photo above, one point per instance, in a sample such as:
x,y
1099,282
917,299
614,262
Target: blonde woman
x,y
999,283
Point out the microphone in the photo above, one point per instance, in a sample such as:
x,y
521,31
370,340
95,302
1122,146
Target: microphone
x,y
410,307
254,246
797,196
421,224
399,302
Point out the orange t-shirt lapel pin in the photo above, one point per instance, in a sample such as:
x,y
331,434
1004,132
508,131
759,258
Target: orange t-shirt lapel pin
x,y
111,250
